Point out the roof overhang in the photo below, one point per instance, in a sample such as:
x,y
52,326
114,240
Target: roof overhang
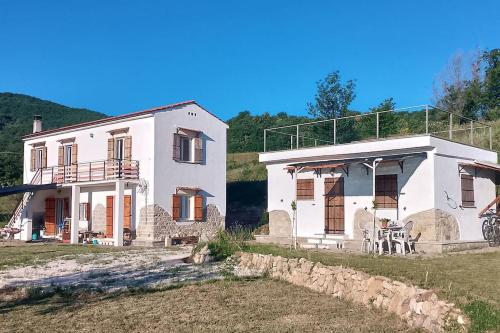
x,y
9,190
485,166
329,164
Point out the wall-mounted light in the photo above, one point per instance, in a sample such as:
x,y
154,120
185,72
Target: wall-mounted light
x,y
91,135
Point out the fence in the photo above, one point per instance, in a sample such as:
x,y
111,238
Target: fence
x,y
421,119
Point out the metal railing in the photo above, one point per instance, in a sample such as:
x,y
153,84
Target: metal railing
x,y
420,119
90,171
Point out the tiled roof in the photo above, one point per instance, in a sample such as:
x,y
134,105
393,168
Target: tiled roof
x,y
115,118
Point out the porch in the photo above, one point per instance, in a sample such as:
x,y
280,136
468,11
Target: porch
x,y
102,213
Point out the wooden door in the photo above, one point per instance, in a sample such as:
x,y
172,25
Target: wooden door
x,y
127,211
50,216
334,205
109,215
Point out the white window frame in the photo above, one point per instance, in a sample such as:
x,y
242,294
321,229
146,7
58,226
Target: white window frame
x,y
189,147
187,207
38,158
68,150
83,211
119,148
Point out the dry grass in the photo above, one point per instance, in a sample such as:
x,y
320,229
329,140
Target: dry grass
x,y
468,279
458,277
223,306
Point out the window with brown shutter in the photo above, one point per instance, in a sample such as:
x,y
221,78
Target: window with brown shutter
x,y
198,150
467,184
198,208
177,147
176,207
305,189
386,191
32,160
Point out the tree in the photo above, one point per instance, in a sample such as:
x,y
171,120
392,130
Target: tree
x,y
332,100
491,84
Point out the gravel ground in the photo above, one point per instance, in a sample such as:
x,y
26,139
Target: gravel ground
x,y
146,267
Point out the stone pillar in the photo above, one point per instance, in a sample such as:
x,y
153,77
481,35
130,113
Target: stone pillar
x,y
75,213
118,214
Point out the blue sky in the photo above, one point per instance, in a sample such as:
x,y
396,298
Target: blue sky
x,y
263,56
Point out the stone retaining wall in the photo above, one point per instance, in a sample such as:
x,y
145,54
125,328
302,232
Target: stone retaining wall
x,y
418,307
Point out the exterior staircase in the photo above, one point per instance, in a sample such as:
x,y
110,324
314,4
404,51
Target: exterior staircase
x,y
322,241
24,202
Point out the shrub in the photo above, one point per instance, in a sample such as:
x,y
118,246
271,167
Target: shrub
x,y
223,245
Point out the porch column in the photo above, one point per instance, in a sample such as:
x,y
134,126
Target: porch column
x,y
75,213
118,214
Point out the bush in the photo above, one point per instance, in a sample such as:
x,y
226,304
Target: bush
x,y
224,245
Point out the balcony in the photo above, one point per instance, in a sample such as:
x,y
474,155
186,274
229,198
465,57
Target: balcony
x,y
88,172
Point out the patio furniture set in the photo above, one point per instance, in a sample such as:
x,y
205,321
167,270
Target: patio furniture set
x,y
392,237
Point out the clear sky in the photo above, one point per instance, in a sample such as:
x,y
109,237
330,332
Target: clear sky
x,y
122,56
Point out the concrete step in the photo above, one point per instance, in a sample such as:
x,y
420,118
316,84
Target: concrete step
x,y
308,246
314,240
328,241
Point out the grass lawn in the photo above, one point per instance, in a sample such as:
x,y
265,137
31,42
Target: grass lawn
x,y
471,280
224,306
21,254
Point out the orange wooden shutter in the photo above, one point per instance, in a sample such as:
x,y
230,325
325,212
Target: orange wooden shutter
x,y
60,156
109,216
44,157
127,211
177,147
176,206
74,153
198,208
33,154
88,211
111,148
50,216
128,148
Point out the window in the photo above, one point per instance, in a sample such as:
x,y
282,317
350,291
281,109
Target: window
x,y
386,191
67,155
185,149
185,207
119,149
39,158
467,184
84,209
305,189
188,146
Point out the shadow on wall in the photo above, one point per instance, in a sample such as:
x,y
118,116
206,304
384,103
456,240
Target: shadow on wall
x,y
246,202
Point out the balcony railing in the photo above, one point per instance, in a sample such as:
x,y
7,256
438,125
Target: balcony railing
x,y
90,171
422,119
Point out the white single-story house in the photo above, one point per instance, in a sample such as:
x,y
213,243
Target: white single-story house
x,y
155,174
439,184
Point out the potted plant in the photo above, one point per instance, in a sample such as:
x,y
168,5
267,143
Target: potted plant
x,y
384,222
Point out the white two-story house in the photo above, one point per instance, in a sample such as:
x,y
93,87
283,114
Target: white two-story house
x,y
155,174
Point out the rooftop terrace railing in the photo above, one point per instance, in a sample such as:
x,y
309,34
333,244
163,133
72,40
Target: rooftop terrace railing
x,y
420,119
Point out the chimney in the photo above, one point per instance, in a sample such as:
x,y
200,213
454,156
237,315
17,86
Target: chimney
x,y
37,123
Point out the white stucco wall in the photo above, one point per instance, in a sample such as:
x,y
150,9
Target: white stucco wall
x,y
210,175
448,196
415,180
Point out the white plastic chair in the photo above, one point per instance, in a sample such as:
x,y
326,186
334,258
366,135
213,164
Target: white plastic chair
x,y
402,238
